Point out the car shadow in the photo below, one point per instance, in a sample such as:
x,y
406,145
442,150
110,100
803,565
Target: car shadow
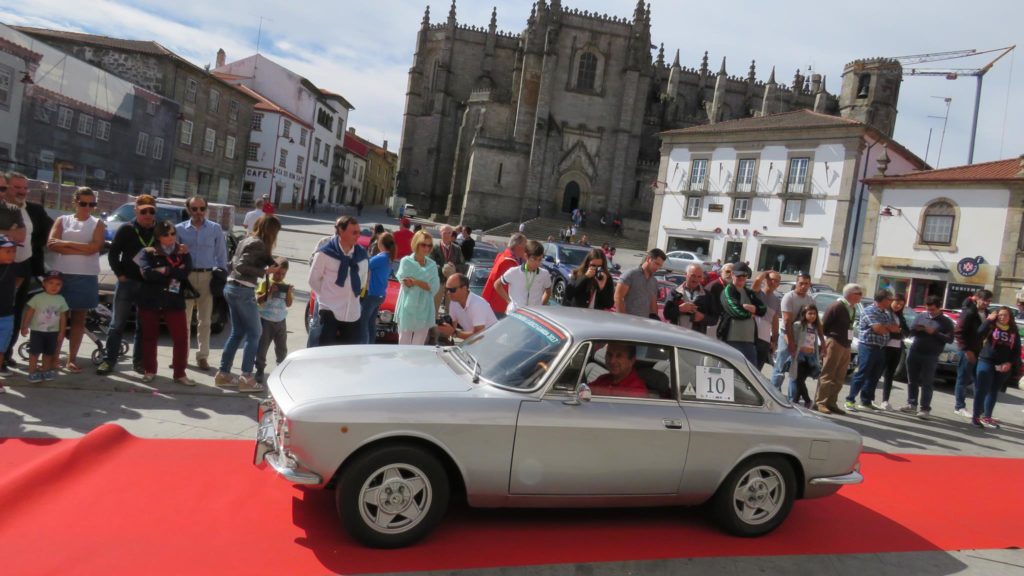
x,y
477,538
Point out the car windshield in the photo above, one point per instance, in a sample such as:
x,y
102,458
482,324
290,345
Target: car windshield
x,y
572,256
517,351
124,213
484,252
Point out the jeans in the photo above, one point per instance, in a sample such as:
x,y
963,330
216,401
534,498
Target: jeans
x,y
245,326
276,333
313,336
368,318
748,350
126,293
177,326
921,375
893,355
334,331
870,364
986,388
781,357
965,370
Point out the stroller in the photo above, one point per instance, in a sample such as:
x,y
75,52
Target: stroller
x,y
97,324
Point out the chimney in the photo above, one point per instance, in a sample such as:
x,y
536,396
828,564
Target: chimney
x,y
385,145
221,57
351,130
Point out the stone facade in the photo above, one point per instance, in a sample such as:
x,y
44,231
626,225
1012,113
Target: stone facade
x,y
502,126
206,103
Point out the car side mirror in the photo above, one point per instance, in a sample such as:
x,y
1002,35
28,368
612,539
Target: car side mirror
x,y
581,394
104,215
549,259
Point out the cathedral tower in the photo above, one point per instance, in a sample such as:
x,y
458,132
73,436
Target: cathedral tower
x,y
871,89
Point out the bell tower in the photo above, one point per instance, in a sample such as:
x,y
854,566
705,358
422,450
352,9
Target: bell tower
x,y
871,90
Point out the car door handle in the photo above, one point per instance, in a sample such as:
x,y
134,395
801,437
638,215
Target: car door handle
x,y
673,424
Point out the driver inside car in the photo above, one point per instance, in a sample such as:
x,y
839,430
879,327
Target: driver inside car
x,y
621,379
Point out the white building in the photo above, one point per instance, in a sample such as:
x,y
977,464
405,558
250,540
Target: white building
x,y
947,233
780,192
325,112
16,64
276,161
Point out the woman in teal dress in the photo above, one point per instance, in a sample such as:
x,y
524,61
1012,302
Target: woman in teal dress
x,y
415,312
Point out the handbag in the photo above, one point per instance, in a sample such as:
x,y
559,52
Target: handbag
x,y
188,291
218,279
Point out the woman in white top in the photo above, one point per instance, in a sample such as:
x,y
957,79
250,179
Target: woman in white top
x,y
75,241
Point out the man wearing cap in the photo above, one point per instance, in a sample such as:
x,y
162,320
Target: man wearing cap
x,y
37,224
253,215
129,240
403,239
205,241
740,305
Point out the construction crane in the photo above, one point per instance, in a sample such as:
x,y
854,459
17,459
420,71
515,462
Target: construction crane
x,y
954,73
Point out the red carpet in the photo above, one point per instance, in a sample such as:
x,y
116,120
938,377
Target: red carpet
x,y
110,503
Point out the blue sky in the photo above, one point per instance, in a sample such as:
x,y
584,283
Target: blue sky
x,y
363,50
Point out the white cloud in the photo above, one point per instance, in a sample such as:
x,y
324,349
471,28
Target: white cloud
x,y
364,50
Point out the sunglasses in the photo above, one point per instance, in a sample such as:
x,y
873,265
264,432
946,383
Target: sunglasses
x,y
428,245
147,211
85,204
198,208
452,290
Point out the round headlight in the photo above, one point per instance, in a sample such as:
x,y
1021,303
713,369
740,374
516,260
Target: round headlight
x,y
385,316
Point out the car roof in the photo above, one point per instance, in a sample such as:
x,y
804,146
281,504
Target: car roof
x,y
586,324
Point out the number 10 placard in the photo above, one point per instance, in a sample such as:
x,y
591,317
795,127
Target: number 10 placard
x,y
715,384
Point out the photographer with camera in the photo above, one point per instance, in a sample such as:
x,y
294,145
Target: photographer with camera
x,y
467,311
591,284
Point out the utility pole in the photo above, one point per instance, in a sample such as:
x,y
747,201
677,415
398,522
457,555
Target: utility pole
x,y
945,122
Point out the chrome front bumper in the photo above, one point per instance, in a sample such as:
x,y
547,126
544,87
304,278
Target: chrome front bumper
x,y
854,477
269,450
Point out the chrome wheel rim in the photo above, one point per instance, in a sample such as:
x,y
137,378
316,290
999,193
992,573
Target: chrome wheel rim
x,y
558,292
395,498
759,495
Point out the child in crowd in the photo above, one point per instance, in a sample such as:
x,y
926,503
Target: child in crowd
x,y
273,298
8,275
808,336
46,315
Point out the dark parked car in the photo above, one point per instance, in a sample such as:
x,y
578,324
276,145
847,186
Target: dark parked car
x,y
125,213
560,260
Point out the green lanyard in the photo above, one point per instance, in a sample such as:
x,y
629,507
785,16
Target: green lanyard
x,y
530,277
141,241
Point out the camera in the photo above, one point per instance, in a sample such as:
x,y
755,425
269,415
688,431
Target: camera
x,y
444,319
600,276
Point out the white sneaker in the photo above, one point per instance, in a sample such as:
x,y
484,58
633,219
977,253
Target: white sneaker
x,y
963,412
924,414
886,405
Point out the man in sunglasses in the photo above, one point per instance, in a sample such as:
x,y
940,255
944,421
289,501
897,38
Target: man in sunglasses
x,y
205,241
128,242
469,313
33,236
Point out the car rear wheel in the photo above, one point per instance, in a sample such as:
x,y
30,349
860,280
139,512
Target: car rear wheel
x,y
392,496
756,497
558,291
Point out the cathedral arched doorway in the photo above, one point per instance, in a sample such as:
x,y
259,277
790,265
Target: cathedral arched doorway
x,y
571,197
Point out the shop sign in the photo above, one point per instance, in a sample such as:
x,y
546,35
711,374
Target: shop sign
x,y
968,267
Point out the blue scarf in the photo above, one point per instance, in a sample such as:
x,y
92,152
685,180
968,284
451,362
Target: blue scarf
x,y
349,266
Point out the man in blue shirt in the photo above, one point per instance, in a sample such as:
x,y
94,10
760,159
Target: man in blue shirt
x,y
874,329
205,241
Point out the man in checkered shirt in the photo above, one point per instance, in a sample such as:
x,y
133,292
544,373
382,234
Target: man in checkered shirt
x,y
874,328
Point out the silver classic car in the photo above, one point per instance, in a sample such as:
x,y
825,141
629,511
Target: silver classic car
x,y
559,407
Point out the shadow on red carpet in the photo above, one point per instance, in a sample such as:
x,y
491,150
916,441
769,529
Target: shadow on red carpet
x,y
115,504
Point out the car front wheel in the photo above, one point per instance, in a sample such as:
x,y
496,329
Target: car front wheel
x,y
558,291
392,496
756,497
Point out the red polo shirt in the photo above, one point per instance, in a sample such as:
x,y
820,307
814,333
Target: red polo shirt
x,y
403,243
502,262
632,386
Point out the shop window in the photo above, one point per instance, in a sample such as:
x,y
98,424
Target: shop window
x,y
785,259
937,227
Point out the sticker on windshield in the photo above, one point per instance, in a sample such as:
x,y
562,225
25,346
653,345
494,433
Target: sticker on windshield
x,y
715,384
551,334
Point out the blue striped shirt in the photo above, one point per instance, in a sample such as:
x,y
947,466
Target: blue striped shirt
x,y
874,315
